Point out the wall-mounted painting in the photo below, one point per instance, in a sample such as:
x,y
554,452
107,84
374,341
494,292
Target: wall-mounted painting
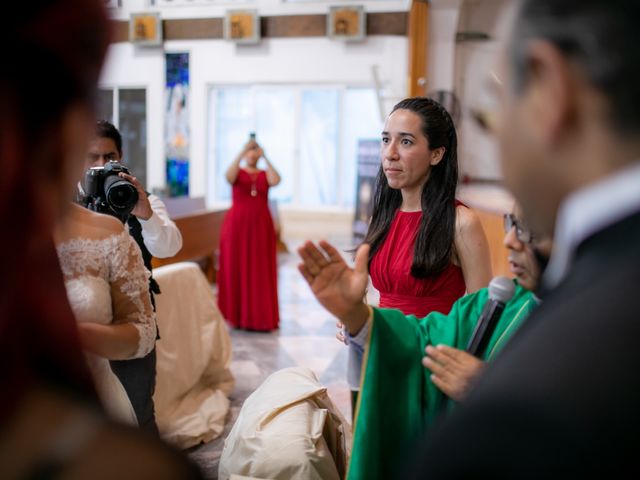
x,y
346,23
177,131
145,29
242,26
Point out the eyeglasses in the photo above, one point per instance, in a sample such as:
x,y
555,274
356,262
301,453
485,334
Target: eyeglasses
x,y
523,234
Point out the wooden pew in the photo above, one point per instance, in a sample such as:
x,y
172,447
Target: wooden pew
x,y
200,230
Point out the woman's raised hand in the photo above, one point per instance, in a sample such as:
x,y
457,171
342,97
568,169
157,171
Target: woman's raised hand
x,y
250,145
339,288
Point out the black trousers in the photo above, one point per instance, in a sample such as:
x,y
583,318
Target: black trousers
x,y
138,377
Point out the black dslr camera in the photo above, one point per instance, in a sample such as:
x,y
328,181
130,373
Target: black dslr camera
x,y
106,192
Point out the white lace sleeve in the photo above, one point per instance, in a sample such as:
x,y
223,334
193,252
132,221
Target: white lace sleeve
x,y
129,280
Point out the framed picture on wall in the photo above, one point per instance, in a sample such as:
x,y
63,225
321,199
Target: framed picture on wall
x,y
242,26
346,23
145,29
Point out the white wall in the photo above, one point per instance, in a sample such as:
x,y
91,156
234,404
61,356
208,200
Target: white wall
x,y
464,68
213,8
475,62
277,60
443,24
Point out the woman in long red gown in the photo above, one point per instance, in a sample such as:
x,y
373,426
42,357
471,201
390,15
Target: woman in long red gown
x,y
247,280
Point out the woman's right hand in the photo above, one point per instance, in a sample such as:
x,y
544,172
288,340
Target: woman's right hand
x,y
115,341
337,287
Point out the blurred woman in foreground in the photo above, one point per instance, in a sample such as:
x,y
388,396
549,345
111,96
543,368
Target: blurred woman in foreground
x,y
51,423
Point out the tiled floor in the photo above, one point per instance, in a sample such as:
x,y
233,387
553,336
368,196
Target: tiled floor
x,y
306,338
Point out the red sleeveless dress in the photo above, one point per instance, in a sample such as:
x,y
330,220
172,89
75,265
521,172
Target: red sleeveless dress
x,y
390,272
247,279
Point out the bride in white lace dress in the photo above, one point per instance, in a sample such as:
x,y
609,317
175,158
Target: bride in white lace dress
x,y
108,289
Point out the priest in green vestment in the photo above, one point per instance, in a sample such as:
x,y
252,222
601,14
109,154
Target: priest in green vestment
x,y
399,398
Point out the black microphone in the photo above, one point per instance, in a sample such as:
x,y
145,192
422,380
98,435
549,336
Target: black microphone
x,y
501,289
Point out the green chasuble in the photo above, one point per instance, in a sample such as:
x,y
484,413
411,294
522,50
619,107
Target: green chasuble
x,y
397,399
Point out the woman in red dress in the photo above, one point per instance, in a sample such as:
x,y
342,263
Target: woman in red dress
x,y
247,281
427,249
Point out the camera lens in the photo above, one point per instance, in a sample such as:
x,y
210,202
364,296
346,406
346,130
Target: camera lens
x,y
121,195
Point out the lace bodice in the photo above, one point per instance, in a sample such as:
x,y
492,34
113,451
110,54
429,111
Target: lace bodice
x,y
107,283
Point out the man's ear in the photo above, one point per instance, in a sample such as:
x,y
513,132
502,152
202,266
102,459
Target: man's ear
x,y
437,155
550,92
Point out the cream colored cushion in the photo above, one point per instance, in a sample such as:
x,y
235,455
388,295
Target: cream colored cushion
x,y
287,429
194,355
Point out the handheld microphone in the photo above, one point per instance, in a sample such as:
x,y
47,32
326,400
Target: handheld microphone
x,y
501,289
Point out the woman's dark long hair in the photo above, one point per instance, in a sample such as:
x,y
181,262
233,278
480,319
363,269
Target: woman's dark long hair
x,y
434,240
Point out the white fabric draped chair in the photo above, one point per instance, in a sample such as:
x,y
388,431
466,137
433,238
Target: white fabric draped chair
x,y
287,429
194,356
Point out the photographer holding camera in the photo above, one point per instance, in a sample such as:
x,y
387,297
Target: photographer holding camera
x,y
113,190
160,235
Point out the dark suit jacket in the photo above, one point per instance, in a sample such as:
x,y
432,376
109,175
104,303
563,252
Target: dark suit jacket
x,y
563,398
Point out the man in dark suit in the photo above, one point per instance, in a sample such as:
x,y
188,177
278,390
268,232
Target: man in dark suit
x,y
563,398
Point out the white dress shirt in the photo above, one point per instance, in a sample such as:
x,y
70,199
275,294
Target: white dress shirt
x,y
161,236
357,344
588,211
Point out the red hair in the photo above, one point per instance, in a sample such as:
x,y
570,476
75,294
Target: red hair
x,y
56,52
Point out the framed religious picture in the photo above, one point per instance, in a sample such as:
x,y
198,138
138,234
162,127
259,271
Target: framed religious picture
x,y
145,29
346,23
242,26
